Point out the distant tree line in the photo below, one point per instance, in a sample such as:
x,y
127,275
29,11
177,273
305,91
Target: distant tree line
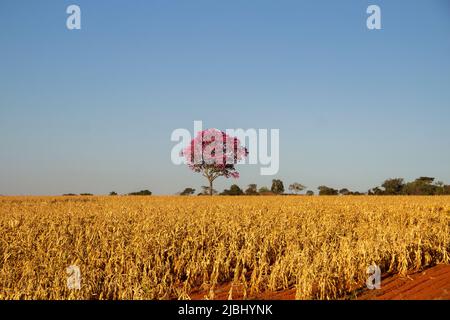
x,y
74,194
113,193
393,186
141,193
277,188
327,191
421,186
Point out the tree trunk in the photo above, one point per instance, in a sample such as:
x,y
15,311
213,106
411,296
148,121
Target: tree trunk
x,y
210,187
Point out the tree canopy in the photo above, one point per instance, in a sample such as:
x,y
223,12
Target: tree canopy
x,y
277,186
187,191
213,153
141,193
233,191
296,187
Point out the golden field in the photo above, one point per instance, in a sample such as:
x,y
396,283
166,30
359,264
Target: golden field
x,y
167,247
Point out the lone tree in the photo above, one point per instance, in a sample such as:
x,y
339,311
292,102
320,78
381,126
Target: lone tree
x,y
296,187
213,153
277,186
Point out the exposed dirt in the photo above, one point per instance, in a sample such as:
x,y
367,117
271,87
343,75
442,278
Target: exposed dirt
x,y
430,284
222,292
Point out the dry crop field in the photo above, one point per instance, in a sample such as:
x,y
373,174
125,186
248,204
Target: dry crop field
x,y
169,247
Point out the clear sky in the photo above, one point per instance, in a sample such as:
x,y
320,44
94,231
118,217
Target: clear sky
x,y
92,110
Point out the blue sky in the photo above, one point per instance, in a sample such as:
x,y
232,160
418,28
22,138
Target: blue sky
x,y
92,110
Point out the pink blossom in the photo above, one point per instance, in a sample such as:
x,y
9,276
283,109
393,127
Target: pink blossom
x,y
214,153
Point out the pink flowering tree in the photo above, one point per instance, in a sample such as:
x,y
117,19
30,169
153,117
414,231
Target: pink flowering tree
x,y
213,153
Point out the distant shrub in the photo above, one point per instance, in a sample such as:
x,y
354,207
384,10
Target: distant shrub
x,y
187,192
233,191
264,190
141,193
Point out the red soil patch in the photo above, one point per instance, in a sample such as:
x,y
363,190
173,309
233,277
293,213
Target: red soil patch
x,y
222,292
430,284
